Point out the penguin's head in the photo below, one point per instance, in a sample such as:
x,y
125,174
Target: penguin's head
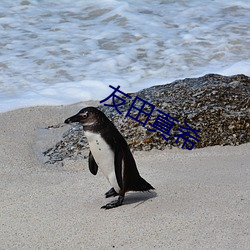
x,y
88,117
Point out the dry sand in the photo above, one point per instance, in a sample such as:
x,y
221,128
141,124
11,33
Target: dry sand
x,y
201,201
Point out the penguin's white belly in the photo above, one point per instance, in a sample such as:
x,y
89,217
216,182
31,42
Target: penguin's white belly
x,y
104,157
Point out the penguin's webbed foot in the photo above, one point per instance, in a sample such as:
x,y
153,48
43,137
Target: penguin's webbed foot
x,y
113,204
111,193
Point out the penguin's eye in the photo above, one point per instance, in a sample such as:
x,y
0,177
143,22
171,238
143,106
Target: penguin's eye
x,y
84,115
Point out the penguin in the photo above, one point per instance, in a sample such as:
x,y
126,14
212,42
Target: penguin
x,y
110,152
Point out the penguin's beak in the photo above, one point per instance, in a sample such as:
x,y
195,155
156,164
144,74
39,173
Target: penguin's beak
x,y
74,118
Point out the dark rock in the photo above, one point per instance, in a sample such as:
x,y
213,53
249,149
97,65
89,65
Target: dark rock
x,y
218,106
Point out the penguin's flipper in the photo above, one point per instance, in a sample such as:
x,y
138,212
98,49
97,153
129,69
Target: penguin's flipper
x,y
118,166
111,193
113,204
93,167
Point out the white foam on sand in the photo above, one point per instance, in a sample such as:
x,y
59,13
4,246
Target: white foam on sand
x,y
63,52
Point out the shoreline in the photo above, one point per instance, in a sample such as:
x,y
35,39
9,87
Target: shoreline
x,y
201,198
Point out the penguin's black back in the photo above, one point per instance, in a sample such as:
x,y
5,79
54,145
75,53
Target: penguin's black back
x,y
132,180
98,122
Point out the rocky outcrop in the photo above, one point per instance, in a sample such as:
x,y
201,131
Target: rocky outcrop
x,y
218,106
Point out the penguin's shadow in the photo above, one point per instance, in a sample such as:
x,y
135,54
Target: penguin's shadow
x,y
137,198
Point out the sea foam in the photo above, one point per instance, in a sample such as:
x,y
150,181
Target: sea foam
x,y
62,52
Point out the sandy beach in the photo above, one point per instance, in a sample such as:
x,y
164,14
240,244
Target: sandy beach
x,y
201,198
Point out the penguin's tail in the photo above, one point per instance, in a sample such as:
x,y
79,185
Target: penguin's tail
x,y
141,185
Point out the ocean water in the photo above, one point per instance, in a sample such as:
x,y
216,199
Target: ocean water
x,y
61,52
